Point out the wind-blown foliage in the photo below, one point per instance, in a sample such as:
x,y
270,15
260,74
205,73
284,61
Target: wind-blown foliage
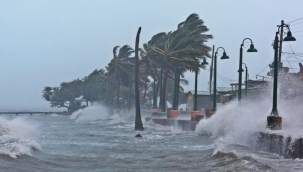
x,y
165,51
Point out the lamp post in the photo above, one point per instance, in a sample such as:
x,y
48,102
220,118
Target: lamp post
x,y
274,121
251,49
215,77
195,109
246,77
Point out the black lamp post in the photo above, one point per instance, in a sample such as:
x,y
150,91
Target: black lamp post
x,y
215,77
274,121
246,77
251,49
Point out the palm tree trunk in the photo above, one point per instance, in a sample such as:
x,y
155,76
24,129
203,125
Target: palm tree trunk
x,y
160,84
163,102
178,90
138,120
118,95
145,87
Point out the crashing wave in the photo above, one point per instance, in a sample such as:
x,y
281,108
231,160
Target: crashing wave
x,y
17,137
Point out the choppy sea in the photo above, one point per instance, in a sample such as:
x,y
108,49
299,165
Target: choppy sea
x,y
91,140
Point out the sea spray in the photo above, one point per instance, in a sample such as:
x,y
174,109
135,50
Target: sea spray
x,y
91,113
18,137
238,123
234,123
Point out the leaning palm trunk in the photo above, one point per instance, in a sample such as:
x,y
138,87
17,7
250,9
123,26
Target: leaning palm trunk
x,y
178,90
157,90
160,85
118,95
145,88
138,120
163,102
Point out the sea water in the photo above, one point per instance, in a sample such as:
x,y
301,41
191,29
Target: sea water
x,y
92,140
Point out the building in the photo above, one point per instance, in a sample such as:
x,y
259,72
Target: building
x,y
205,98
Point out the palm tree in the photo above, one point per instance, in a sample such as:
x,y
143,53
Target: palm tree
x,y
120,67
150,60
138,120
183,46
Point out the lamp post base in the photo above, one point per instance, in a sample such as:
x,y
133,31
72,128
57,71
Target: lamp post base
x,y
193,115
173,114
274,122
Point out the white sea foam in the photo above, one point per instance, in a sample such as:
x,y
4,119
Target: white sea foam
x,y
17,137
91,113
234,123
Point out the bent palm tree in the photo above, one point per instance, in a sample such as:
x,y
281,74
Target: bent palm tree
x,y
120,67
184,45
138,120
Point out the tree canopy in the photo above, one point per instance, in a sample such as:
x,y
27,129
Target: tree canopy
x,y
160,59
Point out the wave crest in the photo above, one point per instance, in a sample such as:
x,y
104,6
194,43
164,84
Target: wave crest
x,y
17,137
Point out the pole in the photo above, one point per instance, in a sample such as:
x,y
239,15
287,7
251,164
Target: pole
x,y
211,70
274,110
240,74
196,80
215,83
246,73
280,42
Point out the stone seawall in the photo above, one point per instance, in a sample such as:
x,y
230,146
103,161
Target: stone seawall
x,y
287,147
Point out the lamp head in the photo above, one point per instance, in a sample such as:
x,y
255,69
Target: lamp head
x,y
204,62
289,37
224,56
252,48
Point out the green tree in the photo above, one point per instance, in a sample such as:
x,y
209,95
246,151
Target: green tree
x,y
119,68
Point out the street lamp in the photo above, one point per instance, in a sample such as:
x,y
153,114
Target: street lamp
x,y
274,121
215,76
289,37
246,77
251,49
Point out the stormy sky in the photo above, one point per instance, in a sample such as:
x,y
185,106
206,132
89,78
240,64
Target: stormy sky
x,y
46,42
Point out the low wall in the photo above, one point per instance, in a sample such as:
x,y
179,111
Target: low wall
x,y
185,125
284,146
